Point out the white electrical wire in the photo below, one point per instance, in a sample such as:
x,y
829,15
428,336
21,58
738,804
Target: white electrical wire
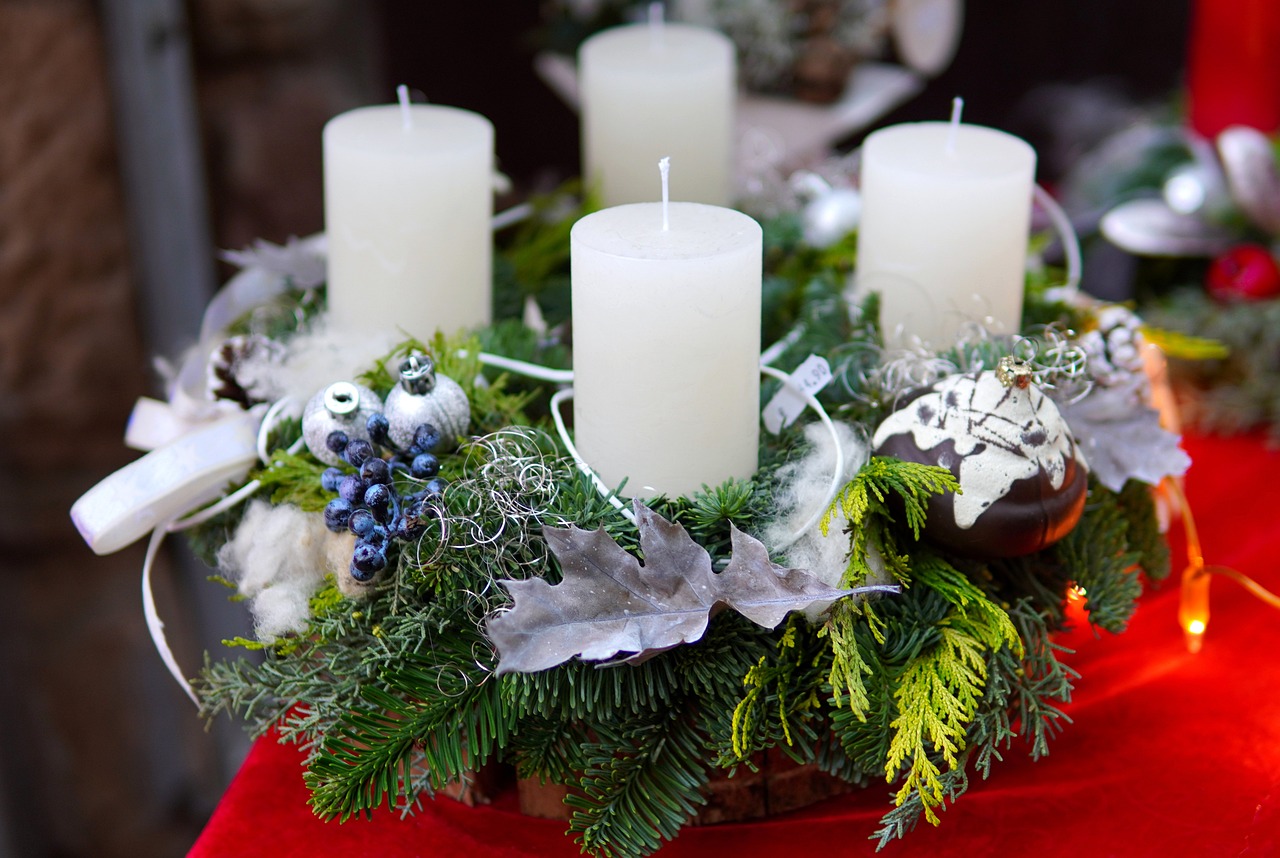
x,y
1066,234
532,370
605,492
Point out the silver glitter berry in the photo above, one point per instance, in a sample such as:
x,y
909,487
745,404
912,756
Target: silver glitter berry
x,y
422,396
340,406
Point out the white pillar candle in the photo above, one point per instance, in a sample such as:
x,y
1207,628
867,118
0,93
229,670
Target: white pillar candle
x,y
666,346
945,212
655,90
408,204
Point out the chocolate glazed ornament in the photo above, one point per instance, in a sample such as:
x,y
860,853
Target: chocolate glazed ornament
x,y
1022,477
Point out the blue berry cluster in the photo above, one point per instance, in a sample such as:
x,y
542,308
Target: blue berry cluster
x,y
369,503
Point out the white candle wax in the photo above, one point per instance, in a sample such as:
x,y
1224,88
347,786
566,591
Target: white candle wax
x,y
666,346
943,235
408,207
655,90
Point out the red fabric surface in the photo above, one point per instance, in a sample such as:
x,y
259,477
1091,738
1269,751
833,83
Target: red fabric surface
x,y
1233,67
1170,754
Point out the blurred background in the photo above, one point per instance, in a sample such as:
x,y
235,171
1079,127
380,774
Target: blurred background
x,y
139,136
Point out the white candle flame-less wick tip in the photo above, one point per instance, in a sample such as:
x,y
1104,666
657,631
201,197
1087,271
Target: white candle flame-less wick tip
x,y
957,107
402,95
664,168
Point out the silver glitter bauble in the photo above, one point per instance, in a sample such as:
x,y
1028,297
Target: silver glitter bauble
x,y
422,396
342,406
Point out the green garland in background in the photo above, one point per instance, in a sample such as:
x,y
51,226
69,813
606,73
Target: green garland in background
x,y
1232,388
395,697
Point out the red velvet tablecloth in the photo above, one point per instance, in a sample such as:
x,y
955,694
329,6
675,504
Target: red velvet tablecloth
x,y
1170,754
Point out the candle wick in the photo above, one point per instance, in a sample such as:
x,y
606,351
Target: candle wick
x,y
655,25
664,168
402,95
957,107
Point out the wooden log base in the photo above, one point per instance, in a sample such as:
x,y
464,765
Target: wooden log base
x,y
778,785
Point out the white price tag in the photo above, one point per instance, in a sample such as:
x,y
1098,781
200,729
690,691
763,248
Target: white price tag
x,y
808,378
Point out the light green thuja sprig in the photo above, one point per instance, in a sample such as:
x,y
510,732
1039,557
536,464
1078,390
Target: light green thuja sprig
x,y
862,503
869,520
938,694
782,695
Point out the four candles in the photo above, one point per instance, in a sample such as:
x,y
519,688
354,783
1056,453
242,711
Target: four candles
x,y
666,318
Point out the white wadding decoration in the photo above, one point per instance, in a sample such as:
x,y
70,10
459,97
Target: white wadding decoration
x,y
319,356
806,486
279,557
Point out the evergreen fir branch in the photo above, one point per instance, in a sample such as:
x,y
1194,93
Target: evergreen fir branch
x,y
430,705
548,749
864,743
1040,679
641,788
1023,686
848,665
1039,579
1144,535
712,510
1236,392
830,757
905,815
534,259
782,697
578,691
987,620
1098,556
863,734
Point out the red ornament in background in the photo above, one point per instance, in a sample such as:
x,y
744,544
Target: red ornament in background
x,y
1246,272
1233,66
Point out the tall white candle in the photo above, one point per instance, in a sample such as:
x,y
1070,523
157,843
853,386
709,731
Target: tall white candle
x,y
666,345
654,90
943,236
408,204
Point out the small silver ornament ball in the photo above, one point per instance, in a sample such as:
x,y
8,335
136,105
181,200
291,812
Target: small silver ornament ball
x,y
343,406
422,396
831,216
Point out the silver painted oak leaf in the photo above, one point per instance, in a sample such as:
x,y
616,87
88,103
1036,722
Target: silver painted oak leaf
x,y
1123,439
610,604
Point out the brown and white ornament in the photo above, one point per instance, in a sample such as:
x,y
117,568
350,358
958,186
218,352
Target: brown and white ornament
x,y
1022,476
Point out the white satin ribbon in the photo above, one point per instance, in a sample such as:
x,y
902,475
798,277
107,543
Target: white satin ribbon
x,y
167,482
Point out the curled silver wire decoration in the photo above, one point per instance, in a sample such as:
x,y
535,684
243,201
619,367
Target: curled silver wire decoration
x,y
906,370
499,507
1058,364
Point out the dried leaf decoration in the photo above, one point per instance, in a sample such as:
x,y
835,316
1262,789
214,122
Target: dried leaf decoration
x,y
1123,439
609,603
